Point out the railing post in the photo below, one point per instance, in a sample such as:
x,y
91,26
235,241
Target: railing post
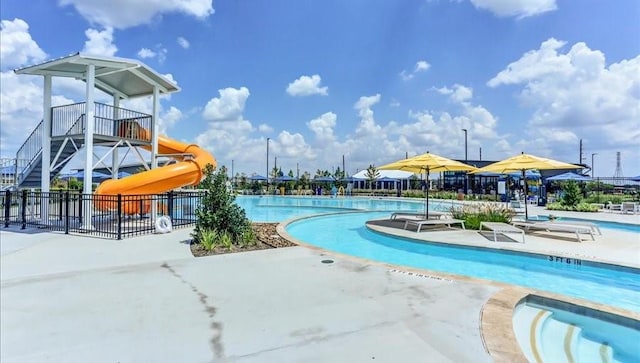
x,y
60,194
66,212
170,205
23,212
7,208
119,216
80,203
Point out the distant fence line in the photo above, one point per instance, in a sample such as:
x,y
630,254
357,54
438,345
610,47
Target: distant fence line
x,y
113,216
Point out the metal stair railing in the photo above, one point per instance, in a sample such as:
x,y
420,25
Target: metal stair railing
x,y
29,151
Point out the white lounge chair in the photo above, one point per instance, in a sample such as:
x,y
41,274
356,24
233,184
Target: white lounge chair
x,y
432,215
433,222
628,207
556,227
517,207
499,227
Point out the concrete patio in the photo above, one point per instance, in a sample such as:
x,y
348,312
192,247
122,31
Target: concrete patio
x,y
78,299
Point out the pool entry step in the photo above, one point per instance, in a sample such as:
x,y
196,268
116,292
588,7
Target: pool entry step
x,y
549,335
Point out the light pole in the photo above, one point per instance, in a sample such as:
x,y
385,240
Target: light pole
x,y
465,144
466,178
593,175
268,164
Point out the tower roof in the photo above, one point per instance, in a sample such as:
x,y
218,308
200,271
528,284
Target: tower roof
x,y
126,78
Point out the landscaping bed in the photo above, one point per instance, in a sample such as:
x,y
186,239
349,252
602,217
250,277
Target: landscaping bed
x,y
266,236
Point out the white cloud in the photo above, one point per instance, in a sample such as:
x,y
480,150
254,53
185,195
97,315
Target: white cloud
x,y
421,66
160,53
17,48
516,8
458,94
265,129
323,126
184,43
575,95
146,53
124,14
307,86
100,43
228,107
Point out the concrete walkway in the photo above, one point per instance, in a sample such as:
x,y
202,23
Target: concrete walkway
x,y
79,299
282,305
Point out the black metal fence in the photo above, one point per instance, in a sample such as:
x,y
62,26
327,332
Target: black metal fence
x,y
112,216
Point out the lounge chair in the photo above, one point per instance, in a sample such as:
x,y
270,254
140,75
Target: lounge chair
x,y
594,227
499,227
432,215
628,207
432,222
517,207
555,227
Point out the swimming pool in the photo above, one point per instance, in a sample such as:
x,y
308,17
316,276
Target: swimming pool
x,y
346,233
277,209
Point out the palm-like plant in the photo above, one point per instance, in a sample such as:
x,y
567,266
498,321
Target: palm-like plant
x,y
372,174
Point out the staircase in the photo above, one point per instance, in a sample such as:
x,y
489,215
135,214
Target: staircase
x,y
29,156
547,336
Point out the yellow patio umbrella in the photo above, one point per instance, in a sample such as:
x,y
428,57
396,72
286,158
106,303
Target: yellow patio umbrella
x,y
427,163
524,162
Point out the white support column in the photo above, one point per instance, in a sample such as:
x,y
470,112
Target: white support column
x,y
45,176
115,161
154,141
88,146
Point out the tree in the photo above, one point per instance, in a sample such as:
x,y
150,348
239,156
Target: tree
x,y
218,211
372,174
571,196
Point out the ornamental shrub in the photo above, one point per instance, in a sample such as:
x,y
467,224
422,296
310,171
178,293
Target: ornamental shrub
x,y
571,196
473,214
219,212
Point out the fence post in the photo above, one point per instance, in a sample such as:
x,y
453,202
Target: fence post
x,y
60,204
170,205
7,208
119,216
66,212
80,203
23,212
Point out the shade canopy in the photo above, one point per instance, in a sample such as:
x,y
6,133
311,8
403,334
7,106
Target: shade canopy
x,y
525,162
126,78
569,176
427,163
522,163
351,179
285,178
636,178
257,178
529,174
80,175
396,174
324,179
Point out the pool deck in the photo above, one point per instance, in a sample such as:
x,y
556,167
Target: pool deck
x,y
78,299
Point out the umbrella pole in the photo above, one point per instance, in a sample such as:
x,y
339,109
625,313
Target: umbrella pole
x,y
426,202
524,187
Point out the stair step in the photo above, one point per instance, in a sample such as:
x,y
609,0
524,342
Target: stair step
x,y
527,324
556,337
592,351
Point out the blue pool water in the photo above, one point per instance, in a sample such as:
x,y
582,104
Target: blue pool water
x,y
278,209
346,233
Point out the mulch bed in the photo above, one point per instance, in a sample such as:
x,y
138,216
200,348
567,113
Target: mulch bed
x,y
265,233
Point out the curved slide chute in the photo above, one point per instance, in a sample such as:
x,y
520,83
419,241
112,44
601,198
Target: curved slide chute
x,y
189,170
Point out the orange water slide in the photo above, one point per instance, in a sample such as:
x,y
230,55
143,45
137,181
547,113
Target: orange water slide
x,y
189,170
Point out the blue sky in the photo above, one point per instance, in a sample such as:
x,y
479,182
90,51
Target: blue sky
x,y
371,80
